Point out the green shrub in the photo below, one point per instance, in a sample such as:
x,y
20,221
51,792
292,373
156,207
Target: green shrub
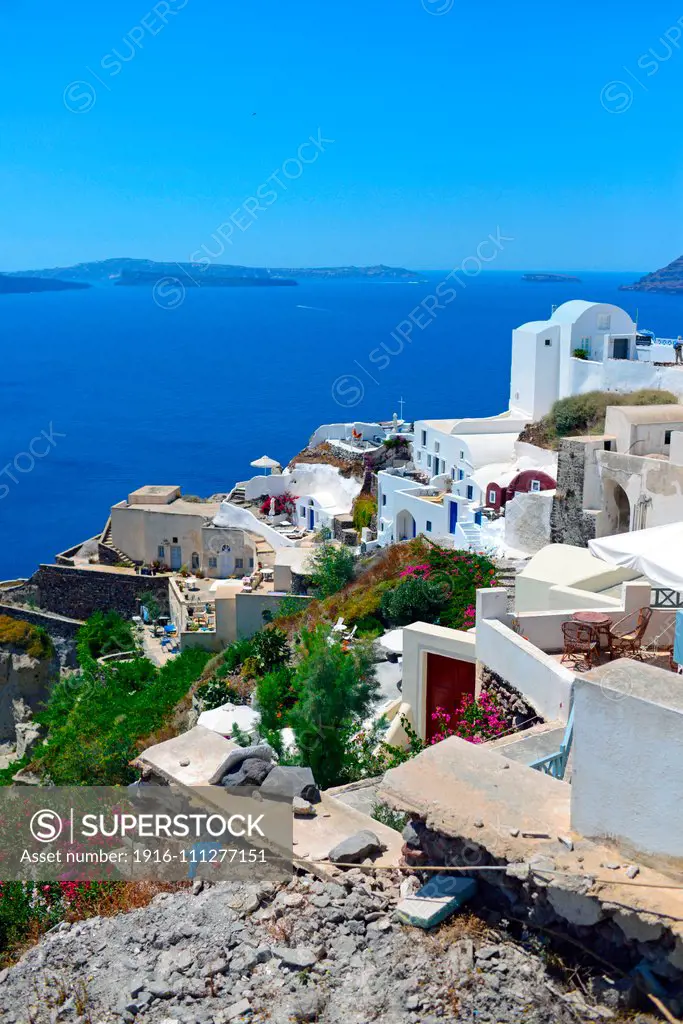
x,y
331,569
103,633
413,600
270,648
586,413
389,817
94,729
364,508
369,627
336,690
236,654
276,695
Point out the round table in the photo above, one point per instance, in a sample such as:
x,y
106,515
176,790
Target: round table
x,y
600,622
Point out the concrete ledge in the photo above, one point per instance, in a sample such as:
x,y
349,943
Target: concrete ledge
x,y
204,749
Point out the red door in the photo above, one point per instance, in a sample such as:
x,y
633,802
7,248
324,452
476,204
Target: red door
x,y
448,680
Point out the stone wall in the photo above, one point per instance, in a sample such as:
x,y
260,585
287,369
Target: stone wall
x,y
527,521
62,631
570,523
562,904
510,699
78,593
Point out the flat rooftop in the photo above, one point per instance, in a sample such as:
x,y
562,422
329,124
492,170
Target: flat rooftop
x,y
179,507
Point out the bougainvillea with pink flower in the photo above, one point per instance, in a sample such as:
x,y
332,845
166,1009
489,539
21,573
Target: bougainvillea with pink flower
x,y
476,720
285,505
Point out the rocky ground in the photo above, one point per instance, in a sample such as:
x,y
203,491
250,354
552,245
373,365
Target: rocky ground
x,y
304,951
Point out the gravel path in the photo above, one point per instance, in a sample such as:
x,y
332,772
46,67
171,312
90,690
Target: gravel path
x,y
306,951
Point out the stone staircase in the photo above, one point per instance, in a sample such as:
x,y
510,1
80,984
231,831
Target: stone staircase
x,y
507,574
112,554
238,495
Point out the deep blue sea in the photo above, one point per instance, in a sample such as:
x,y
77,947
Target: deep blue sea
x,y
190,395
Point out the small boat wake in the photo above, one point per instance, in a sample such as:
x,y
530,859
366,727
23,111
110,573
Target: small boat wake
x,y
317,309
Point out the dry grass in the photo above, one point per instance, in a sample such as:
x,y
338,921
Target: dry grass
x,y
382,568
324,453
461,926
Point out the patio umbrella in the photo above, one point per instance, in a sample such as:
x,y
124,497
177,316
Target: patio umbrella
x,y
392,641
265,463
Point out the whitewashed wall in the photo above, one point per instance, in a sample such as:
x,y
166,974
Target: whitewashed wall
x,y
242,519
628,758
544,683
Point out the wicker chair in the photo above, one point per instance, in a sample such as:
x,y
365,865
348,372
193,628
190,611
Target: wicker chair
x,y
581,643
629,644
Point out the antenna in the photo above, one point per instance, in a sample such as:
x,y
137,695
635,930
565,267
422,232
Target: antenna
x,y
401,403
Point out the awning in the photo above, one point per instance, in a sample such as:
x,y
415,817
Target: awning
x,y
657,553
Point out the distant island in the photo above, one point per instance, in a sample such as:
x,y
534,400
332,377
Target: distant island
x,y
124,271
137,278
11,285
668,280
549,278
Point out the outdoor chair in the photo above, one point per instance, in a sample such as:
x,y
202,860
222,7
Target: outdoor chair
x,y
628,644
581,643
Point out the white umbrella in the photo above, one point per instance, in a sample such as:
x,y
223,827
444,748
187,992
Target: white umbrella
x,y
392,641
265,463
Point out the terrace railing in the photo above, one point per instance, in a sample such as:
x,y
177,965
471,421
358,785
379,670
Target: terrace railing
x,y
661,597
556,764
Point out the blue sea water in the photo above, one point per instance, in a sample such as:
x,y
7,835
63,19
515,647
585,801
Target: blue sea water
x,y
136,393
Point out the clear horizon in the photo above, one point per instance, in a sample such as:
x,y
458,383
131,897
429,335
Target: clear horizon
x,y
402,133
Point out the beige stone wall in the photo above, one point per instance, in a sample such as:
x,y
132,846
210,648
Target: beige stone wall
x,y
141,533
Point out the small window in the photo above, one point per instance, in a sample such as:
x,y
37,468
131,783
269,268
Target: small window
x,y
175,540
604,320
667,437
462,456
419,456
535,485
384,499
239,563
461,474
437,446
548,342
470,492
424,439
213,563
302,510
429,461
492,497
452,472
161,551
607,445
428,526
195,561
251,563
381,527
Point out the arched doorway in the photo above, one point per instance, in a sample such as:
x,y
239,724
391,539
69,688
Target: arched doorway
x,y
621,510
406,527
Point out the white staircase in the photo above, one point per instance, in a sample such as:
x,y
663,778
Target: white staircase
x,y
472,534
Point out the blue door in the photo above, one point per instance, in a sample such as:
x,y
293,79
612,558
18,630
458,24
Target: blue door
x,y
477,517
176,556
311,519
453,516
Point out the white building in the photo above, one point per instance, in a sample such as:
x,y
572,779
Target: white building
x,y
583,346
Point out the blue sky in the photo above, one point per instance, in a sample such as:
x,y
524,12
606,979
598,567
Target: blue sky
x,y
450,120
